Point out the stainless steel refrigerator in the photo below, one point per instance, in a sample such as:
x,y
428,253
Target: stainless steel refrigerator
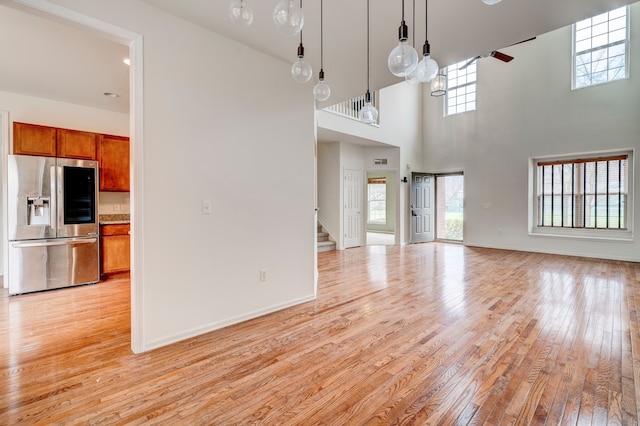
x,y
52,223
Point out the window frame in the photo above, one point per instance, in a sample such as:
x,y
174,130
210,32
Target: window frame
x,y
369,200
582,233
450,89
575,54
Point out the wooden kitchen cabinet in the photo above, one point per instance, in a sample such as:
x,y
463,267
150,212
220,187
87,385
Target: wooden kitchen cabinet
x,y
113,155
33,139
115,247
76,144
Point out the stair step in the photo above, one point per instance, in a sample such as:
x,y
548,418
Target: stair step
x,y
324,243
326,246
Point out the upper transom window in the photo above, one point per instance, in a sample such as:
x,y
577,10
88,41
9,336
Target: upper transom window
x,y
600,48
461,87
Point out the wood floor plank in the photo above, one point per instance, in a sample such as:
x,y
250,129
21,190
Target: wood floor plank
x,y
424,334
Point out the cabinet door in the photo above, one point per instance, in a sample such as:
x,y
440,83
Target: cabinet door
x,y
115,254
32,139
113,155
76,144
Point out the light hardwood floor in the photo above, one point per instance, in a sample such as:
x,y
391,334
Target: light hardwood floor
x,y
423,334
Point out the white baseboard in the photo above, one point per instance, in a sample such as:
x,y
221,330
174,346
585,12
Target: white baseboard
x,y
155,344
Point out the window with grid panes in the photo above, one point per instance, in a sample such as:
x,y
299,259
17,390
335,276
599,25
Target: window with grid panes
x,y
377,198
590,193
461,88
600,48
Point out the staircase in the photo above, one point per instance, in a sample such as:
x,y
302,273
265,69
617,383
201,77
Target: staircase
x,y
324,244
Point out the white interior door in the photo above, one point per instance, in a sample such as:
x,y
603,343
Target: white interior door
x,y
422,201
352,208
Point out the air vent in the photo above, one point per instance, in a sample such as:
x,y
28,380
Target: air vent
x,y
378,161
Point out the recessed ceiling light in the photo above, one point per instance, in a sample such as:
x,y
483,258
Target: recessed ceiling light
x,y
491,2
127,61
111,95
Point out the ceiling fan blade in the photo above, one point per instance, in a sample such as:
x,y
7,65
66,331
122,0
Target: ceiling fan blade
x,y
502,56
523,41
471,61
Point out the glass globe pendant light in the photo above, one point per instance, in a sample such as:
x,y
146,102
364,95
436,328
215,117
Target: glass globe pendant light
x,y
301,70
403,58
428,67
411,78
240,13
368,114
288,17
321,91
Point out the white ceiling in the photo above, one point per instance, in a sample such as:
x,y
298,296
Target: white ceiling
x,y
44,58
53,60
458,29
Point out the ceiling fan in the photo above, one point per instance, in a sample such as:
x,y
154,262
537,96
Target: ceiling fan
x,y
495,54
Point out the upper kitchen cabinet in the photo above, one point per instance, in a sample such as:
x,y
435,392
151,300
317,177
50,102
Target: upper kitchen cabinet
x,y
33,139
113,155
76,144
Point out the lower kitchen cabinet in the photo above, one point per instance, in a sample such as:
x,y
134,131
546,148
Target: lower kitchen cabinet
x,y
115,249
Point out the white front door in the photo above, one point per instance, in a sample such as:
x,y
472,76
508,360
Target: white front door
x,y
422,208
352,208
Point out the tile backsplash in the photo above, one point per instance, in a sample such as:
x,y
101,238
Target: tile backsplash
x,y
113,203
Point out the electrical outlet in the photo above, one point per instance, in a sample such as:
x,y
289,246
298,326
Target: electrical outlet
x,y
263,275
206,207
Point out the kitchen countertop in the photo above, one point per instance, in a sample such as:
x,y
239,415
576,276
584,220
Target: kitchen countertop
x,y
114,219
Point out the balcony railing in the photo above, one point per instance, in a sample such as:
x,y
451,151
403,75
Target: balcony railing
x,y
350,108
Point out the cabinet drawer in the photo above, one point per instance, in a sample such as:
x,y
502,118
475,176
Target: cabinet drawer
x,y
107,230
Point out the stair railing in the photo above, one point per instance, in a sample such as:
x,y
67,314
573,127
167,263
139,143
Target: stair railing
x,y
351,107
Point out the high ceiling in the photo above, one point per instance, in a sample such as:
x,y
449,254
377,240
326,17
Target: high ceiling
x,y
51,60
457,30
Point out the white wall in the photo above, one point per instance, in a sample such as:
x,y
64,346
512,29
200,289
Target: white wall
x,y
400,129
213,130
49,112
526,109
114,203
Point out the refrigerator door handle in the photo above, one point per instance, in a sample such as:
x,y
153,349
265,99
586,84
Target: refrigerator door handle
x,y
50,243
53,208
59,199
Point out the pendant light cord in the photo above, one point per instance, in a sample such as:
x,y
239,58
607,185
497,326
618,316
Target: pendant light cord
x,y
301,28
368,45
413,32
321,35
426,19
